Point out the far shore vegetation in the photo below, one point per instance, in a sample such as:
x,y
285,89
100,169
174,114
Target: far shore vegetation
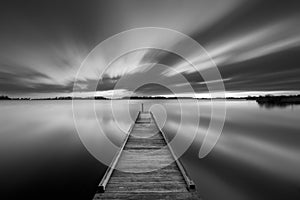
x,y
268,100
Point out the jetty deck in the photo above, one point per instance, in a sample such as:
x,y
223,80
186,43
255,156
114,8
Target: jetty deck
x,y
145,167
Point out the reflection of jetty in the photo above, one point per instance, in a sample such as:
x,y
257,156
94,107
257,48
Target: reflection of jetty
x,y
145,167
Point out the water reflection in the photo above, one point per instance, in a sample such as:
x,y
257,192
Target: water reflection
x,y
256,157
41,154
276,105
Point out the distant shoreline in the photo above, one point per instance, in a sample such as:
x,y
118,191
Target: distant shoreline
x,y
261,100
270,101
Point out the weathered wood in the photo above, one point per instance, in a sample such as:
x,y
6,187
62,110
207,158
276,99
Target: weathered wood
x,y
145,167
148,195
191,185
109,171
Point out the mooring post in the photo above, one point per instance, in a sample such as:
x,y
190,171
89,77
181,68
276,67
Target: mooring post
x,y
142,107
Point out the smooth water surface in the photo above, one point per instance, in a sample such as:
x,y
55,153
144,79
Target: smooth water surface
x,y
42,156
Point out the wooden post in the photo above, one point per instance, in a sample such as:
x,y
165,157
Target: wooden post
x,y
142,107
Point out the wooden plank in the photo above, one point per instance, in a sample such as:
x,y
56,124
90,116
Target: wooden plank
x,y
149,195
166,186
109,171
141,178
146,167
190,184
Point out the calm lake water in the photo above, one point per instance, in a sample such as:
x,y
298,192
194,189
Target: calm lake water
x,y
43,157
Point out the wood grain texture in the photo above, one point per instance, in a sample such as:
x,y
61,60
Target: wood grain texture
x,y
146,169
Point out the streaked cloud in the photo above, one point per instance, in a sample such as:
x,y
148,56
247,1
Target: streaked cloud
x,y
255,46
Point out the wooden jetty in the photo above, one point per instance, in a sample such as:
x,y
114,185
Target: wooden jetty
x,y
149,171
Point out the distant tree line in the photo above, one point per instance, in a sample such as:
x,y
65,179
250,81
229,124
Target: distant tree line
x,y
3,97
278,100
268,99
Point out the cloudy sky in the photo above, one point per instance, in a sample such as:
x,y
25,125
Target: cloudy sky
x,y
255,45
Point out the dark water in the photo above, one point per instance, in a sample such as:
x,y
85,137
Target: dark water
x,y
42,156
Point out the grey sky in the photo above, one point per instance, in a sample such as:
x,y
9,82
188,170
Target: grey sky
x,y
254,43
